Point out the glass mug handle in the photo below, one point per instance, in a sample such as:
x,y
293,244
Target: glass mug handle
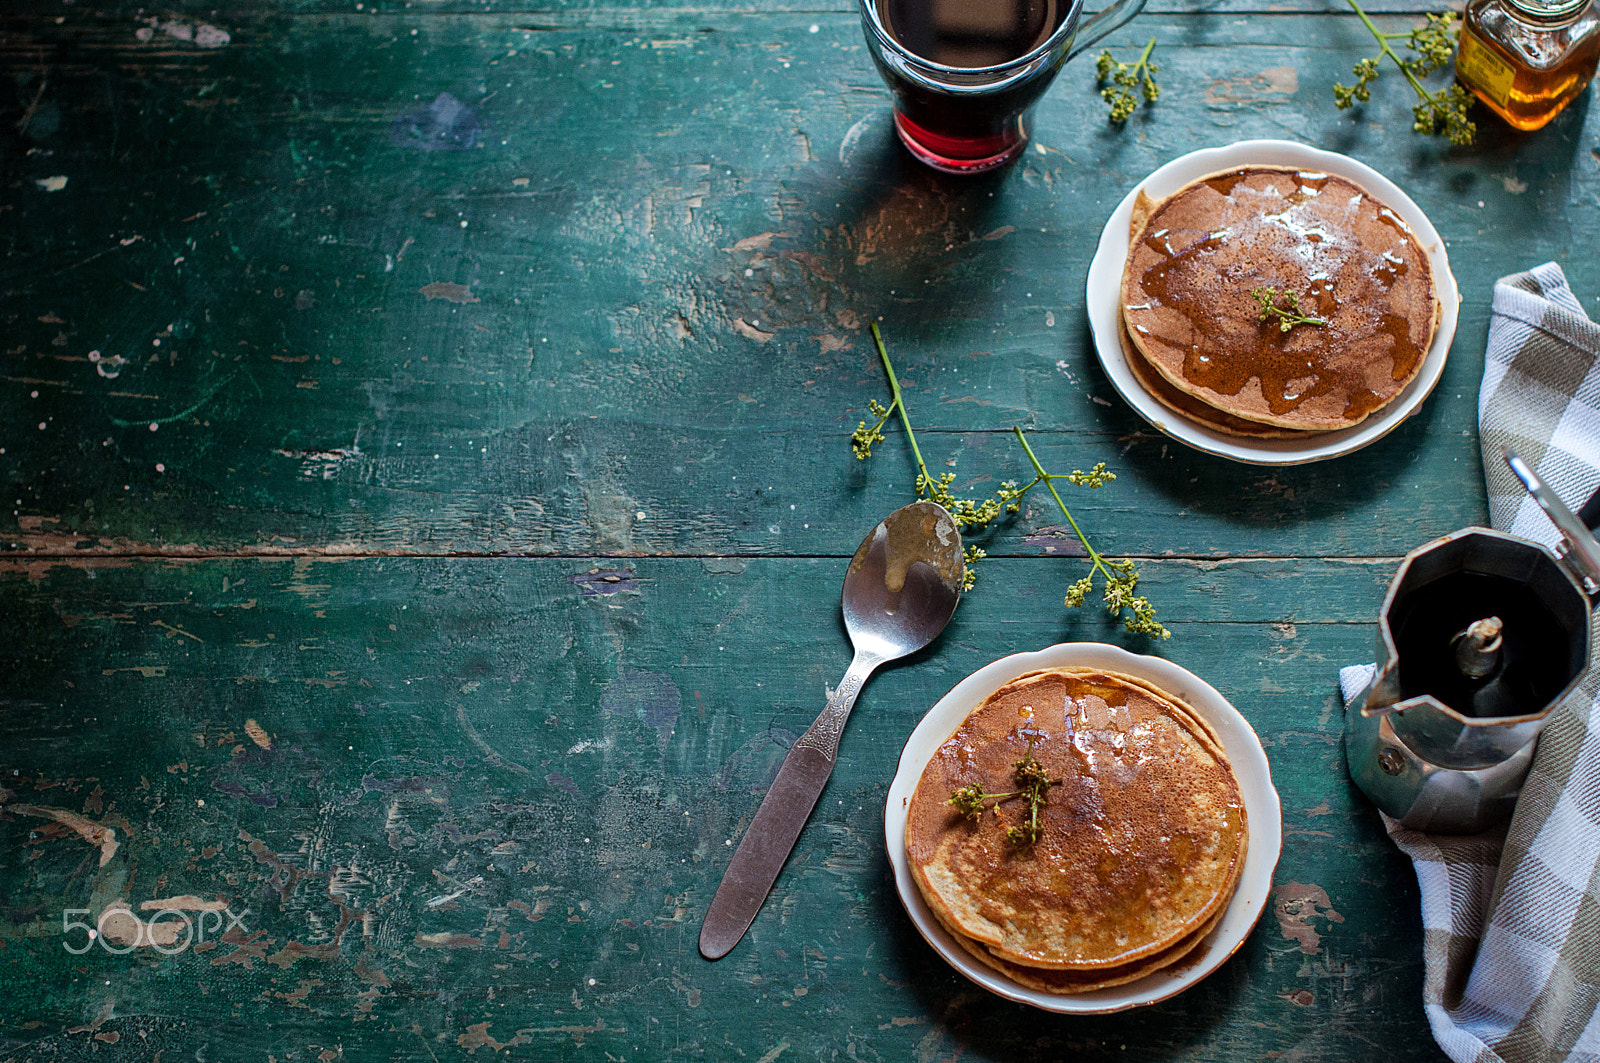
x,y
1103,22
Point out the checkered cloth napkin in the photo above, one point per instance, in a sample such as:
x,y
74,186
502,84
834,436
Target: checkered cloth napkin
x,y
1511,917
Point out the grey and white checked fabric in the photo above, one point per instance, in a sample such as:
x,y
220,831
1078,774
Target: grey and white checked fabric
x,y
1511,918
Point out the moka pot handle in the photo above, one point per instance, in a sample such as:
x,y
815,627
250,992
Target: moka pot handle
x,y
1579,550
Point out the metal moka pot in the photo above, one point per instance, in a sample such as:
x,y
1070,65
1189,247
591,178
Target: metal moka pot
x,y
1481,637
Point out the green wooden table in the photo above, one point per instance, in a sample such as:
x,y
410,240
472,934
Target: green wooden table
x,y
428,490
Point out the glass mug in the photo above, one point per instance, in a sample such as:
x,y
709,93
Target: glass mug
x,y
966,73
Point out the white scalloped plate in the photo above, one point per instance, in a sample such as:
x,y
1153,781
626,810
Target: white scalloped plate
x,y
1104,297
1262,811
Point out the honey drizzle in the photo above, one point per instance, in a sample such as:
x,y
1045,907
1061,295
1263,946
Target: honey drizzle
x,y
1203,275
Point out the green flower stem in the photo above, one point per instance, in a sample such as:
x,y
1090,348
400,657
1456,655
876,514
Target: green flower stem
x,y
1121,577
1144,56
1048,480
897,404
1384,49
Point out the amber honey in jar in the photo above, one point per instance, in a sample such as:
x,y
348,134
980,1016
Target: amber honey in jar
x,y
1528,59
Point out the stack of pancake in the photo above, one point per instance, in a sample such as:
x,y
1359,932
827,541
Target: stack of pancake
x,y
1140,844
1194,335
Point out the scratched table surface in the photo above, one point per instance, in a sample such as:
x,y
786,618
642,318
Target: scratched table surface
x,y
427,480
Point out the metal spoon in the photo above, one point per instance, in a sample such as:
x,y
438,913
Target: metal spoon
x,y
900,591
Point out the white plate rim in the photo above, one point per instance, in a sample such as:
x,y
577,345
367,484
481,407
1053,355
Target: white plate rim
x,y
1262,808
1103,298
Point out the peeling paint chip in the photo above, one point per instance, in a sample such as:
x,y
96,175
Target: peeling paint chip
x,y
211,36
200,34
257,734
749,331
52,184
188,902
449,291
88,830
1297,905
447,941
759,242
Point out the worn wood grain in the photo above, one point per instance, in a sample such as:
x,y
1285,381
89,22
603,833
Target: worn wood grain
x,y
308,309
455,792
426,487
208,12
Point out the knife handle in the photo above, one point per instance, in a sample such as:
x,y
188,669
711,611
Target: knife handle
x,y
763,850
771,835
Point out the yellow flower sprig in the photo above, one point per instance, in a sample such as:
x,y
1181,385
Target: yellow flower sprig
x,y
1121,576
1032,784
1431,45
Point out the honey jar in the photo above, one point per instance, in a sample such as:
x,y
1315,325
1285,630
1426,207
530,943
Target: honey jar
x,y
1528,59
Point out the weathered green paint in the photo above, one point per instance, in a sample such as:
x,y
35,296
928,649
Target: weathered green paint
x,y
511,732
280,238
639,358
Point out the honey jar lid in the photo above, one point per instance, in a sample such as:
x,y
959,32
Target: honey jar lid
x,y
1549,9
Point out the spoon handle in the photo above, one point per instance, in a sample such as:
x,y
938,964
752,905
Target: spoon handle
x,y
770,837
823,734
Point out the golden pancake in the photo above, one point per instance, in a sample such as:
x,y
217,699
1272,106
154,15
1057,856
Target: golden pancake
x,y
1156,385
1188,406
1066,983
1141,839
1351,261
1205,732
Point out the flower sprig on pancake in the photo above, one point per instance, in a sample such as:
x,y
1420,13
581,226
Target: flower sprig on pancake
x,y
1033,783
1289,315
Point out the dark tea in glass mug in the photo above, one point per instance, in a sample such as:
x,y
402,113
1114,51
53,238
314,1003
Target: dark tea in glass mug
x,y
966,73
